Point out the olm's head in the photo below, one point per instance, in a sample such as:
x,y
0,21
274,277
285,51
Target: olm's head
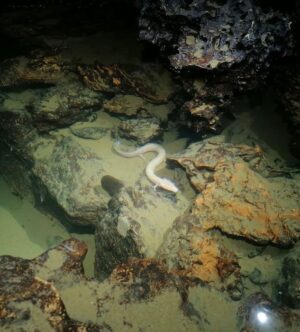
x,y
168,185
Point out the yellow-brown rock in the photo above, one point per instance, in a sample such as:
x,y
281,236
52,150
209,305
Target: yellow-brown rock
x,y
239,194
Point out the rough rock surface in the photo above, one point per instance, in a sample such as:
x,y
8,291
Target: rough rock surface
x,y
26,72
133,106
210,98
128,105
141,130
17,129
236,196
46,291
63,105
24,114
28,300
146,82
71,175
192,253
227,46
94,133
214,34
134,226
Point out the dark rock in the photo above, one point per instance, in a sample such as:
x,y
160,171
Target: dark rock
x,y
236,40
288,287
16,129
27,72
286,80
206,100
214,34
147,278
128,105
256,252
112,185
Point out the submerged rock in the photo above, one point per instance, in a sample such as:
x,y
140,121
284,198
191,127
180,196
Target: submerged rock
x,y
214,34
132,106
197,255
112,185
17,130
145,81
29,300
140,130
288,286
128,105
27,72
63,105
71,175
134,226
47,291
219,48
237,197
94,133
28,113
205,102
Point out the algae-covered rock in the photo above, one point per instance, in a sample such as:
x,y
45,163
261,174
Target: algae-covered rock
x,y
71,175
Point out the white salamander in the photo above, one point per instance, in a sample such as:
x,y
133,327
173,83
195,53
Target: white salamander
x,y
161,157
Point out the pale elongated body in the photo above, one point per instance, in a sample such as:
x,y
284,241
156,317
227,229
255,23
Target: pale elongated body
x,y
151,166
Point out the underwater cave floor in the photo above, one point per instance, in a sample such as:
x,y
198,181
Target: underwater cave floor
x,y
27,232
